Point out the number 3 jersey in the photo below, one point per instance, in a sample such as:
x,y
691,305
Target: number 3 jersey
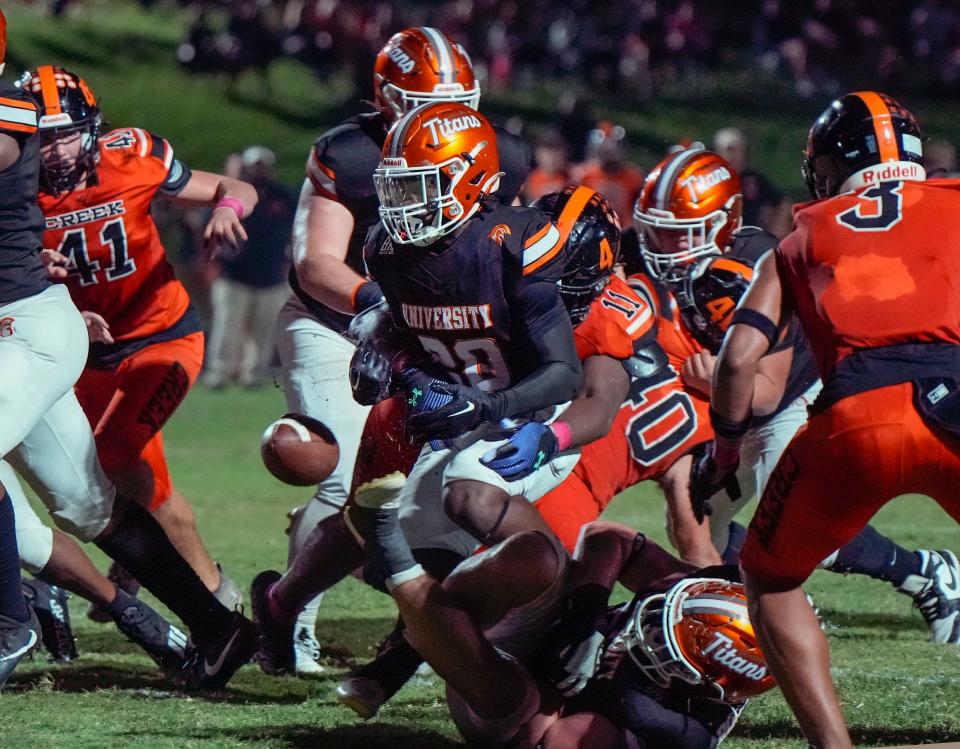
x,y
477,301
118,267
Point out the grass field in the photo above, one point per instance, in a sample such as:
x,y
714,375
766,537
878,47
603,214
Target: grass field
x,y
896,688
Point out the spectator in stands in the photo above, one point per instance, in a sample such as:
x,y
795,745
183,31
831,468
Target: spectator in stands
x,y
552,171
764,204
251,287
940,159
606,169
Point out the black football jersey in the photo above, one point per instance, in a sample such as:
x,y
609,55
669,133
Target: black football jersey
x,y
476,300
341,167
751,243
21,222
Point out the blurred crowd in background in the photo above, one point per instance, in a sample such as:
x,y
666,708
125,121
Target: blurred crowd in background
x,y
633,46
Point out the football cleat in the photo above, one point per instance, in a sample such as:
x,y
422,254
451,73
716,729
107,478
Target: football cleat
x,y
212,666
49,602
228,592
276,656
168,646
375,682
16,642
306,652
936,593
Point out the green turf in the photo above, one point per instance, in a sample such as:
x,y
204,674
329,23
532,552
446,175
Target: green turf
x,y
896,687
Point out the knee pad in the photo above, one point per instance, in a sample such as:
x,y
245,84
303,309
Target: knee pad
x,y
34,542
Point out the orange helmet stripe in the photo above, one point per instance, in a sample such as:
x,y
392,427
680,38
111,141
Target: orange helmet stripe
x,y
733,266
572,210
668,176
882,125
48,87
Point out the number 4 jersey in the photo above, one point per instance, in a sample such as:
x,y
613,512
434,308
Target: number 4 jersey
x,y
118,267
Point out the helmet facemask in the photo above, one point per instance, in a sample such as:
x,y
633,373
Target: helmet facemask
x,y
577,294
418,204
694,238
399,101
62,174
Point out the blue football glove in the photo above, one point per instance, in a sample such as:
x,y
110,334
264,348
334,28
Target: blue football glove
x,y
525,452
440,410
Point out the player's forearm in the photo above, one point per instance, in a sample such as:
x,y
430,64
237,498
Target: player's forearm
x,y
208,188
236,189
332,282
591,415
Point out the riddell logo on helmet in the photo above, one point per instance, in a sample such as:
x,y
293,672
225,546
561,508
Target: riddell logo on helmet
x,y
697,184
901,170
403,60
446,127
722,651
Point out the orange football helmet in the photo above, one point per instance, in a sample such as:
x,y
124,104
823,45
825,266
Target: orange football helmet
x,y
439,162
421,66
699,633
689,207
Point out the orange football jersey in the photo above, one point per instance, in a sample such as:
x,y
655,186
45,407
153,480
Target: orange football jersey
x,y
660,421
875,268
118,267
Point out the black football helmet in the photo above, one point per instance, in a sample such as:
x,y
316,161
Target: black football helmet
x,y
591,231
66,104
708,295
858,131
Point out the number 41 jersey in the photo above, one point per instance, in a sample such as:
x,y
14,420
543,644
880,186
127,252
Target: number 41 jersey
x,y
479,300
118,267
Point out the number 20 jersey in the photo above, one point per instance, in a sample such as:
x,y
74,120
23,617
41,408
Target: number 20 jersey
x,y
118,267
478,300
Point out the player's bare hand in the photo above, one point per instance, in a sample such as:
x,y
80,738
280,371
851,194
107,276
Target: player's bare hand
x,y
223,230
98,329
55,263
697,371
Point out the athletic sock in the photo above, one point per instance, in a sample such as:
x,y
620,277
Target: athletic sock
x,y
279,613
872,554
12,604
394,664
139,544
737,537
120,603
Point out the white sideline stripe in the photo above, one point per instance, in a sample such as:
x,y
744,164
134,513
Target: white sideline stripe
x,y
19,116
543,245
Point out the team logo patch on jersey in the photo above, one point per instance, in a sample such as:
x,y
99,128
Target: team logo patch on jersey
x,y
85,215
499,232
6,327
448,317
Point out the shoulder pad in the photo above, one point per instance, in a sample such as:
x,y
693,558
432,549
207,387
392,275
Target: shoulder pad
x,y
18,113
751,243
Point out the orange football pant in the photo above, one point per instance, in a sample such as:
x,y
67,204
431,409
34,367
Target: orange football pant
x,y
127,406
838,471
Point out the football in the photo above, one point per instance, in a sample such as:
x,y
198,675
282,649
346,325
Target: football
x,y
299,450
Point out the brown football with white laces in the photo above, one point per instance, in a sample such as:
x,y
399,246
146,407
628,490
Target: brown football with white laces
x,y
299,450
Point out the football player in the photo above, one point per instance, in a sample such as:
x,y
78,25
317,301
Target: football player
x,y
22,277
146,339
608,335
681,217
338,206
677,663
873,287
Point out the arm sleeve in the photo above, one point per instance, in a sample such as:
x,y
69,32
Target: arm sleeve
x,y
177,178
18,118
321,171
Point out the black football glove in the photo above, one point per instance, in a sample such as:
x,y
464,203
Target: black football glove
x,y
706,479
370,373
527,450
439,410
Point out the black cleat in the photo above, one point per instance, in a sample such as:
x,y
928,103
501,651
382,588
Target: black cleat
x,y
213,665
16,642
167,645
276,656
49,602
